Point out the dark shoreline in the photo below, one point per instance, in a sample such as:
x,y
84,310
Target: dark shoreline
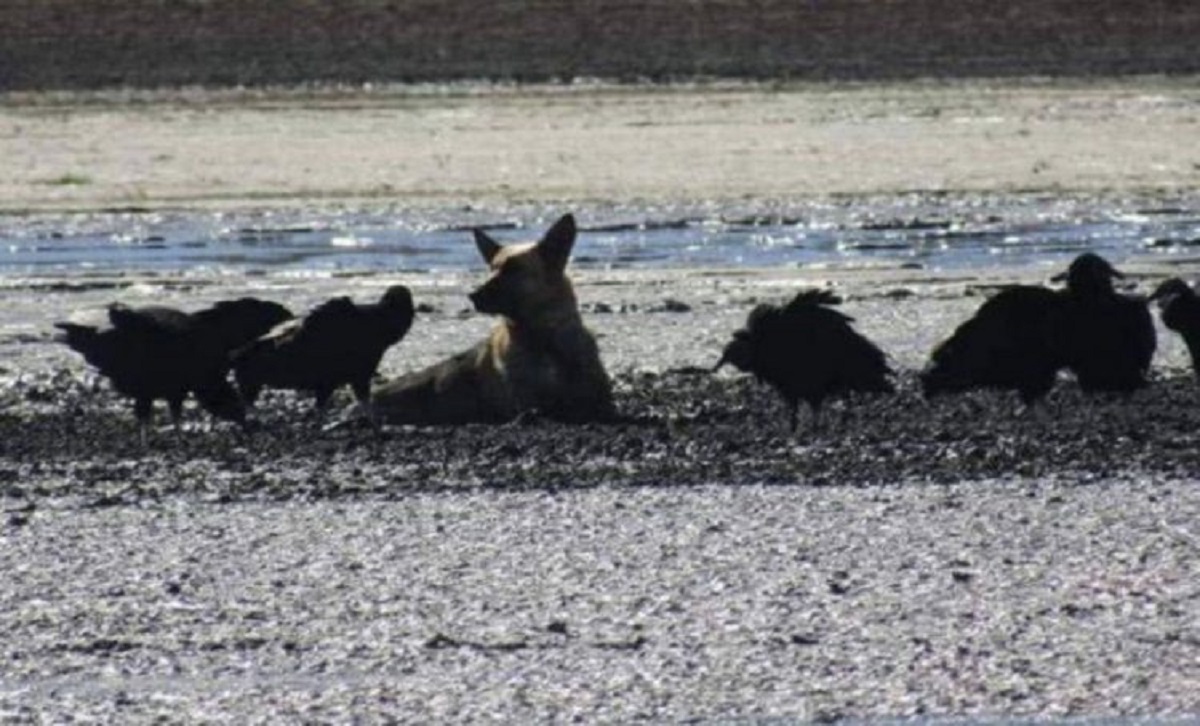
x,y
685,428
72,44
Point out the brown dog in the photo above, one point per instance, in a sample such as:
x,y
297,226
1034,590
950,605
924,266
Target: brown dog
x,y
538,357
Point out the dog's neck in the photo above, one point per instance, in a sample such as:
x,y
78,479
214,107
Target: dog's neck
x,y
556,332
538,321
544,325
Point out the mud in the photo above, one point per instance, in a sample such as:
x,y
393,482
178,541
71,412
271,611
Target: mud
x,y
687,429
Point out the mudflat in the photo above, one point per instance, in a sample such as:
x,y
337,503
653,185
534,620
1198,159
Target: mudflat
x,y
698,562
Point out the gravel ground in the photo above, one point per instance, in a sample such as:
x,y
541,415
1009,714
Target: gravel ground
x,y
1066,596
960,557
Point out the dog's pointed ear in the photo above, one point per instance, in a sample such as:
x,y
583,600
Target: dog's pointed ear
x,y
488,247
555,246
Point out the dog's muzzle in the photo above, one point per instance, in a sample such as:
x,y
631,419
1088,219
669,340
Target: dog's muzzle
x,y
482,301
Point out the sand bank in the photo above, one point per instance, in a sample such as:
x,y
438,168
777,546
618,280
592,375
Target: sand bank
x,y
493,146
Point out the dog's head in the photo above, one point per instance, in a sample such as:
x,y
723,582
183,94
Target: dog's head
x,y
529,280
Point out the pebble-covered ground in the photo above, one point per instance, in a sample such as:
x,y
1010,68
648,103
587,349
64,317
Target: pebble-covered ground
x,y
698,562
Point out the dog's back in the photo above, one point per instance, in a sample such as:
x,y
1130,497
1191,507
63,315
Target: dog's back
x,y
538,357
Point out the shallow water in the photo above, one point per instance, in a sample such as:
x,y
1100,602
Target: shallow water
x,y
933,233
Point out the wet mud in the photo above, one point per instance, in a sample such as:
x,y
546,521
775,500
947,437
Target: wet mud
x,y
74,444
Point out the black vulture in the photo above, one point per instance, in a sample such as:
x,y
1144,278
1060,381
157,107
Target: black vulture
x,y
1180,311
1006,345
338,343
1105,338
231,324
808,352
157,352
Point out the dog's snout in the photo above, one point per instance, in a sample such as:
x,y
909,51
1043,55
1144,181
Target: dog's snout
x,y
484,299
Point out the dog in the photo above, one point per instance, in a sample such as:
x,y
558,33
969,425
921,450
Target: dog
x,y
538,358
